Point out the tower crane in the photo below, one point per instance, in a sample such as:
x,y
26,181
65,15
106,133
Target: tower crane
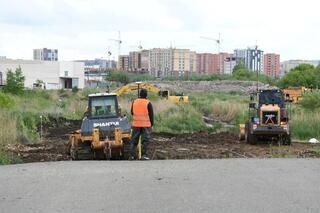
x,y
118,41
218,41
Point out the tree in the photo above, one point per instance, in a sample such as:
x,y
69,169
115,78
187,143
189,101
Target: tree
x,y
303,75
15,82
240,72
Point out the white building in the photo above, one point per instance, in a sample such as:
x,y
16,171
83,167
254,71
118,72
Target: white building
x,y
229,64
54,74
286,66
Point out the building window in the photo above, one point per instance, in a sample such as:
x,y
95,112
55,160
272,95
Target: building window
x,y
66,73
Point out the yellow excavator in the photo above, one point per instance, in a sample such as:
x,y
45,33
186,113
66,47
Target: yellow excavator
x,y
294,94
176,98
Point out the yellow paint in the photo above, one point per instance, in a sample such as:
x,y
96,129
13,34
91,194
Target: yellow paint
x,y
139,149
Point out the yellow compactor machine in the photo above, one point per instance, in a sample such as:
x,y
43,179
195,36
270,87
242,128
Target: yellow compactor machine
x,y
268,118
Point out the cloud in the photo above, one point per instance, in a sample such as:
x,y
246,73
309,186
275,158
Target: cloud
x,y
81,28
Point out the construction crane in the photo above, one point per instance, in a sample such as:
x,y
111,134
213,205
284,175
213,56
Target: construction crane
x,y
139,46
118,41
218,41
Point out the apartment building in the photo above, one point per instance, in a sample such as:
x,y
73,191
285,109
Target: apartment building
x,y
139,61
123,62
160,62
271,65
251,57
171,62
208,63
45,54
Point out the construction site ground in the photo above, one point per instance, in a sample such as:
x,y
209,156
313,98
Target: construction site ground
x,y
201,145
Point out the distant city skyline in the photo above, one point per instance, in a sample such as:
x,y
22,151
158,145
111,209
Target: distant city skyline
x,y
82,29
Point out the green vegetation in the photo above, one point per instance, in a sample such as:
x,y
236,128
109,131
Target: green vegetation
x,y
6,101
305,124
303,75
240,72
126,77
311,101
7,158
15,82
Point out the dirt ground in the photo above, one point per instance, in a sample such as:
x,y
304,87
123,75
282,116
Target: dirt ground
x,y
199,145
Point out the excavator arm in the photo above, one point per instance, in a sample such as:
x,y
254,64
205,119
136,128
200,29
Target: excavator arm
x,y
134,87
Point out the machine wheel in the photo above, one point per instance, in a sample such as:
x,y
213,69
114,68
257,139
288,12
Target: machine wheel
x,y
81,150
126,150
250,138
286,140
99,155
73,148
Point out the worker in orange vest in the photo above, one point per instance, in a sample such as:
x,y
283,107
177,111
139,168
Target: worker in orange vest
x,y
142,113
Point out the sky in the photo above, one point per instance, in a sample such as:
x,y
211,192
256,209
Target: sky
x,y
84,29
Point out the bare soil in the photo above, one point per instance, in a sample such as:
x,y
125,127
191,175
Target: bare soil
x,y
201,145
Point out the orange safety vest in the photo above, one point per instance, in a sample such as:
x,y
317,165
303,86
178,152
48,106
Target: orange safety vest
x,y
140,113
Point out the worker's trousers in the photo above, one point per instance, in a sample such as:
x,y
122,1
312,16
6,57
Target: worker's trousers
x,y
145,139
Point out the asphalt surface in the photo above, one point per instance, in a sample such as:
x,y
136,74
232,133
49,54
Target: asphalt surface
x,y
235,185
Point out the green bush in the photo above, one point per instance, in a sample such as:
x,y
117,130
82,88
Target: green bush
x,y
311,101
181,119
27,127
6,101
75,89
8,158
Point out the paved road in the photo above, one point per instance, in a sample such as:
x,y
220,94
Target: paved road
x,y
275,185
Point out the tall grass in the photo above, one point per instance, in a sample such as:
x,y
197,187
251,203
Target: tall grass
x,y
8,123
179,119
305,124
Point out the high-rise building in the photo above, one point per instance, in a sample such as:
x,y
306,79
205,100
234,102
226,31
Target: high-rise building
x,y
123,62
204,63
208,63
45,54
160,62
252,58
171,62
271,65
134,61
144,61
193,62
180,62
139,61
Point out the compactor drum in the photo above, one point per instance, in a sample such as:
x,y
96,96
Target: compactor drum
x,y
268,119
104,133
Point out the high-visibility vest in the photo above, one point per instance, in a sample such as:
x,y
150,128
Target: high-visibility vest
x,y
140,113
